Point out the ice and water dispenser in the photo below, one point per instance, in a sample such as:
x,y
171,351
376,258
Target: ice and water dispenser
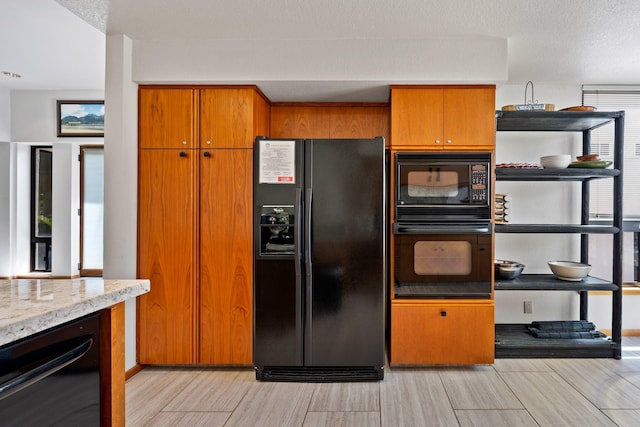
x,y
277,230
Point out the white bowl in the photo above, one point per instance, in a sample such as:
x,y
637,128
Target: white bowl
x,y
569,270
557,161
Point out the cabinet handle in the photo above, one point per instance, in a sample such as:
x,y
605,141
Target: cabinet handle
x,y
443,313
437,141
183,154
207,154
448,141
184,142
208,142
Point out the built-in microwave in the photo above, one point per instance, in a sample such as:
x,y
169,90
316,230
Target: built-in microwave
x,y
442,187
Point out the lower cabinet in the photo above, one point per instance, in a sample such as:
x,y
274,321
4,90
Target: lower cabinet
x,y
195,245
442,332
225,282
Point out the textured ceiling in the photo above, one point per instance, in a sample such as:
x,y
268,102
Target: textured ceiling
x,y
549,41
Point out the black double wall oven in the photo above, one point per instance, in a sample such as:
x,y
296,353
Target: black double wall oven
x,y
442,227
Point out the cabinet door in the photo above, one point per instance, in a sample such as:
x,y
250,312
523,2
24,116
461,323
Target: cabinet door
x,y
166,256
226,243
416,117
442,332
469,118
226,118
261,116
166,118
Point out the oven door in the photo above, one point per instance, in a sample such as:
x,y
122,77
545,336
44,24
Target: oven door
x,y
442,262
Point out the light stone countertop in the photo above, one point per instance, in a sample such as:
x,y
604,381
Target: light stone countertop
x,y
28,306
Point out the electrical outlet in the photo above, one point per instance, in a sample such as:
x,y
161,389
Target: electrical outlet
x,y
528,307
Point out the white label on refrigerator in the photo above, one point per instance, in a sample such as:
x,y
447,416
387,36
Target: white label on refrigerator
x,y
277,162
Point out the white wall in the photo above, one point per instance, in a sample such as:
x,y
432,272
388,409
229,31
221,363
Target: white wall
x,y
33,115
7,213
120,180
7,208
5,115
460,59
21,256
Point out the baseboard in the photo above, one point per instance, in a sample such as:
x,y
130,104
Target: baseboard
x,y
46,276
131,372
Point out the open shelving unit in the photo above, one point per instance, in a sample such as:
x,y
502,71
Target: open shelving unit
x,y
513,340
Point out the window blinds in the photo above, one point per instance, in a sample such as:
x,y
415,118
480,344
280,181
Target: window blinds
x,y
616,98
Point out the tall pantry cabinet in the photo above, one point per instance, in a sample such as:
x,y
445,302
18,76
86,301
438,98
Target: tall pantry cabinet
x,y
194,222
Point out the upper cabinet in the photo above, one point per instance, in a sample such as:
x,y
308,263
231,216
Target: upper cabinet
x,y
192,117
443,117
166,117
230,117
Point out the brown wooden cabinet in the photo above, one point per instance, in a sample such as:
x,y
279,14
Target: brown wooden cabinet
x,y
194,223
166,117
231,117
442,332
167,256
226,257
443,117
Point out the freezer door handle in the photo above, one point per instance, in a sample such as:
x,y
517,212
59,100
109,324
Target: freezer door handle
x,y
298,236
309,282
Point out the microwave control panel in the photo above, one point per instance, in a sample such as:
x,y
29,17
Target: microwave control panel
x,y
479,181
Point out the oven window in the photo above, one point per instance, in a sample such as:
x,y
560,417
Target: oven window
x,y
432,183
431,258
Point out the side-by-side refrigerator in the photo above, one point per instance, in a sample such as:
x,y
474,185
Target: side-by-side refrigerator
x,y
319,259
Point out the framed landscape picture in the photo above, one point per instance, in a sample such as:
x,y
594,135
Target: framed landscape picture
x,y
80,118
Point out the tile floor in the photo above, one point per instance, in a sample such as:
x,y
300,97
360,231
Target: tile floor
x,y
512,392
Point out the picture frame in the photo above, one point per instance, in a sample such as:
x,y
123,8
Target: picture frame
x,y
80,118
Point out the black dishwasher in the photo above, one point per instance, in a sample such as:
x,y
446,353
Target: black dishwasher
x,y
53,378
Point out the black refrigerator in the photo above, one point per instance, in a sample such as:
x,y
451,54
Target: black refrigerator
x,y
319,259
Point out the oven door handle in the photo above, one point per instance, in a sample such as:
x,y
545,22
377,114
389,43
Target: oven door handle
x,y
53,364
441,229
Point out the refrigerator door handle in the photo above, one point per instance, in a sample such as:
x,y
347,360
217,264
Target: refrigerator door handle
x,y
308,207
298,254
309,276
298,236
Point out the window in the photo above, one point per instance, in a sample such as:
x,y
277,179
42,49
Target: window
x,y
41,208
627,99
